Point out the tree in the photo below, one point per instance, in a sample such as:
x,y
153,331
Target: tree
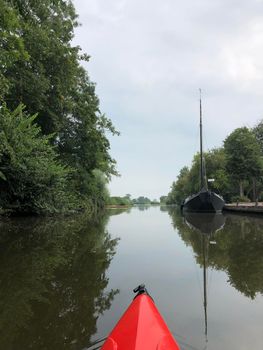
x,y
119,201
181,188
163,199
53,84
142,201
31,178
83,143
243,156
258,132
188,180
40,68
44,82
11,45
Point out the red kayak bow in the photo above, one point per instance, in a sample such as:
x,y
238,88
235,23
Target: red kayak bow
x,y
141,327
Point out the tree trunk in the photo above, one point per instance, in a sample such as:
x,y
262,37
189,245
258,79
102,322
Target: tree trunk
x,y
254,189
241,189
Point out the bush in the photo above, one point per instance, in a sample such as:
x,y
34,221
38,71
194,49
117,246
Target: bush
x,y
119,201
240,199
32,180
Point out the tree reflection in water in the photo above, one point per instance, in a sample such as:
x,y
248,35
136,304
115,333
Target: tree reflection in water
x,y
238,250
53,281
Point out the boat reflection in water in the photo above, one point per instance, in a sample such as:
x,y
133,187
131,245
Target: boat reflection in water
x,y
206,224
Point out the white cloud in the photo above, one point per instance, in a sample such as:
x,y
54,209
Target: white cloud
x,y
243,58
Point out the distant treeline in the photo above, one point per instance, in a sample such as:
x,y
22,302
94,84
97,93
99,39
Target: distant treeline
x,y
236,168
54,152
128,201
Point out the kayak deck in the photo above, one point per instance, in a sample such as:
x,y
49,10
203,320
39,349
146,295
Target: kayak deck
x,y
141,328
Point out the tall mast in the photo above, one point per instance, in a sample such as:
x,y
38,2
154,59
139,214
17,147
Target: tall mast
x,y
201,145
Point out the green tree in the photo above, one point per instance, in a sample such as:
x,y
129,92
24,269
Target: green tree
x,y
120,201
181,188
163,199
11,45
99,193
215,161
42,69
238,162
142,200
243,157
258,132
54,84
188,180
215,168
44,82
83,143
31,177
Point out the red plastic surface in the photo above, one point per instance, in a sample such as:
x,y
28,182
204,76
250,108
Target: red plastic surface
x,y
141,328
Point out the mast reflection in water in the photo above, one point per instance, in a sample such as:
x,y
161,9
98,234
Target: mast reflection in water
x,y
205,225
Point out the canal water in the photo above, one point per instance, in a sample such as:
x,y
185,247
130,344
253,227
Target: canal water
x,y
64,283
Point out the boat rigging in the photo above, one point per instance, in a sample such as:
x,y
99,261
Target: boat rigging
x,y
205,200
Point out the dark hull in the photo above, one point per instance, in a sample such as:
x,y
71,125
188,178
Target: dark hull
x,y
204,202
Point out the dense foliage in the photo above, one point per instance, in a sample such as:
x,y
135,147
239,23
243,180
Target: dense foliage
x,y
236,169
142,200
243,156
31,177
41,69
127,200
120,201
163,200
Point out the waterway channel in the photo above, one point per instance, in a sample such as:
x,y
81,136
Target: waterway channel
x,y
64,282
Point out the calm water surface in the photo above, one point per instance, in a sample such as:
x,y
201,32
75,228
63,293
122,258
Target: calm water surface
x,y
64,283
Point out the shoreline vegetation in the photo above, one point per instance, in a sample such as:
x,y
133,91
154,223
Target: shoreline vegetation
x,y
127,201
54,148
234,170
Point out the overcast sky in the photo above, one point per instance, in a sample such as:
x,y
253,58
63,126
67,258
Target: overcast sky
x,y
149,59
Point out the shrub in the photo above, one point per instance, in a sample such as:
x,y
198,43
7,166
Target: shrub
x,y
32,180
240,199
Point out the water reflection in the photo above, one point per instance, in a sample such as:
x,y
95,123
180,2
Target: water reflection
x,y
207,223
238,248
118,211
54,274
166,208
143,207
52,281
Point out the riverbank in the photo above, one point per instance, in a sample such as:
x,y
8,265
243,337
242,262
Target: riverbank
x,y
116,206
250,207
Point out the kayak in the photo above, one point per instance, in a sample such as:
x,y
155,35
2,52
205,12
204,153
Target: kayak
x,y
141,327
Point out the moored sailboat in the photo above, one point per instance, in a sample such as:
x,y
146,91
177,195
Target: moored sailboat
x,y
205,200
